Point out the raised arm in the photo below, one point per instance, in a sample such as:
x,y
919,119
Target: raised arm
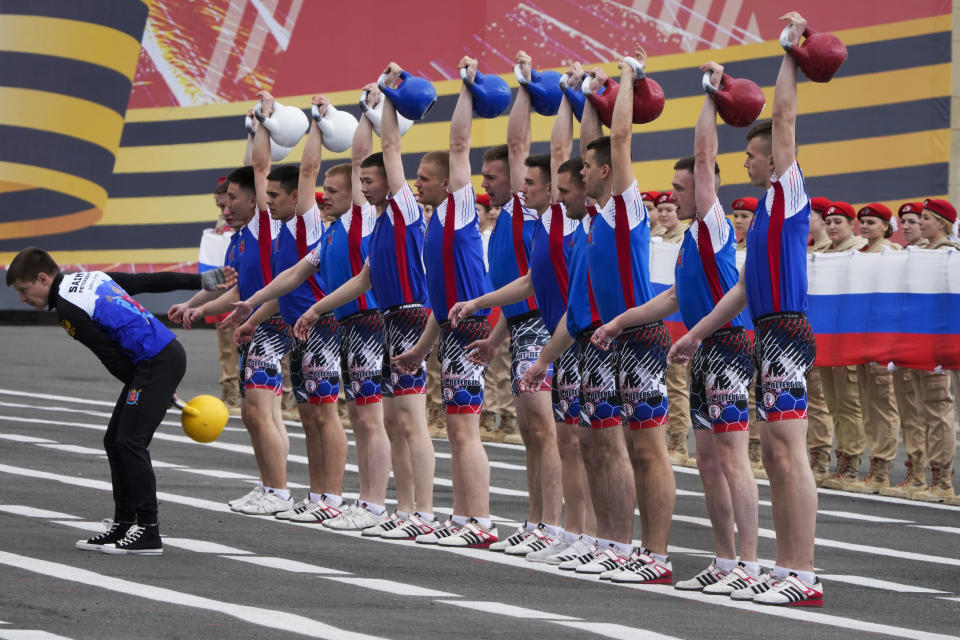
x,y
390,136
561,140
361,148
518,128
621,126
261,152
248,150
590,126
460,124
785,101
310,163
705,146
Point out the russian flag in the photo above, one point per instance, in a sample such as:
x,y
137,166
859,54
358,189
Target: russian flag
x,y
213,249
899,306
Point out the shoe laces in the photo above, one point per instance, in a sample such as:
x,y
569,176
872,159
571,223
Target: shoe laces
x,y
132,535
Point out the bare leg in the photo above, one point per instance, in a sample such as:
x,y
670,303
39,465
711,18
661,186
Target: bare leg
x,y
471,469
535,419
655,475
611,482
260,412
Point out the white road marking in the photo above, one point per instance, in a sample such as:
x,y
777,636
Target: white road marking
x,y
398,588
219,473
618,631
73,448
293,566
22,510
16,437
940,529
202,546
47,396
877,584
29,634
270,618
503,609
862,516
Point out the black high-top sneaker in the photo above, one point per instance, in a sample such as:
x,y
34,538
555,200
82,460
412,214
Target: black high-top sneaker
x,y
141,540
114,531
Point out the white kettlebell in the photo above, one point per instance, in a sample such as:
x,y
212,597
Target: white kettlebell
x,y
336,126
286,124
277,152
374,115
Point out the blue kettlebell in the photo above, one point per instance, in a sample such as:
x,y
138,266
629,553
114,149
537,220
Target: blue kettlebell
x,y
576,98
491,94
412,98
544,90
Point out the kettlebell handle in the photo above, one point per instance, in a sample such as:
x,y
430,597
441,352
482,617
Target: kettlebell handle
x,y
463,76
185,408
519,74
248,125
785,37
585,85
258,111
636,66
565,81
708,87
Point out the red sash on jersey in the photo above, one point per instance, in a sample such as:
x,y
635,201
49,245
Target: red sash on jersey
x,y
594,312
264,244
302,252
708,259
354,239
774,239
400,243
518,247
621,231
449,266
557,256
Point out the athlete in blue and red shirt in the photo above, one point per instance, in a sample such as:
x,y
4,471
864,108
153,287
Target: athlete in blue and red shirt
x,y
722,368
773,285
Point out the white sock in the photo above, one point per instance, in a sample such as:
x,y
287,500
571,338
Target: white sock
x,y
570,538
426,517
725,564
486,523
602,543
332,499
590,539
315,497
460,521
780,573
808,577
752,567
280,493
529,526
375,509
621,548
553,530
403,515
662,558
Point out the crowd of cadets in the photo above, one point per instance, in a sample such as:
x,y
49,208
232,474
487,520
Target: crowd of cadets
x,y
366,285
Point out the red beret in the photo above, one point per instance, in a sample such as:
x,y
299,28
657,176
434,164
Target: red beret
x,y
910,207
745,204
319,196
941,208
840,208
650,195
665,197
484,199
819,204
875,209
221,180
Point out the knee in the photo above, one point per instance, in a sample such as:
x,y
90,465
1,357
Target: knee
x,y
777,457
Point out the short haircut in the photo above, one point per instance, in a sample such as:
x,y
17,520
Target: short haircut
x,y
764,129
601,151
288,175
30,263
687,163
542,161
344,170
499,152
222,185
243,178
374,160
573,167
440,159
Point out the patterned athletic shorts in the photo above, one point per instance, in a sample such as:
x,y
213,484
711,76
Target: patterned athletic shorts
x,y
784,350
528,337
642,375
361,356
315,363
461,381
260,358
403,326
599,397
720,375
566,386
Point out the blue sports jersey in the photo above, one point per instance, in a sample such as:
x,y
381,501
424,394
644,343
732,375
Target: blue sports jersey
x,y
249,253
775,272
129,326
396,253
706,266
297,238
452,254
508,252
618,254
582,310
553,241
342,252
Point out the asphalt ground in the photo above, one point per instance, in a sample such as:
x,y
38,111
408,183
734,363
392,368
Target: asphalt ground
x,y
889,567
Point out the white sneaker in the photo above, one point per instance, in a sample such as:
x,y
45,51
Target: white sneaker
x,y
544,554
602,562
355,518
739,578
448,528
391,523
472,536
257,491
792,592
754,588
538,540
645,569
563,552
297,509
616,570
587,556
267,504
412,528
515,538
315,513
707,578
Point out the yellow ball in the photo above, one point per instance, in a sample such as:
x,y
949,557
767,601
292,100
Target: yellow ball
x,y
204,418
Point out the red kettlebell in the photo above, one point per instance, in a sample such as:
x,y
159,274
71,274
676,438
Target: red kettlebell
x,y
820,55
739,101
648,98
